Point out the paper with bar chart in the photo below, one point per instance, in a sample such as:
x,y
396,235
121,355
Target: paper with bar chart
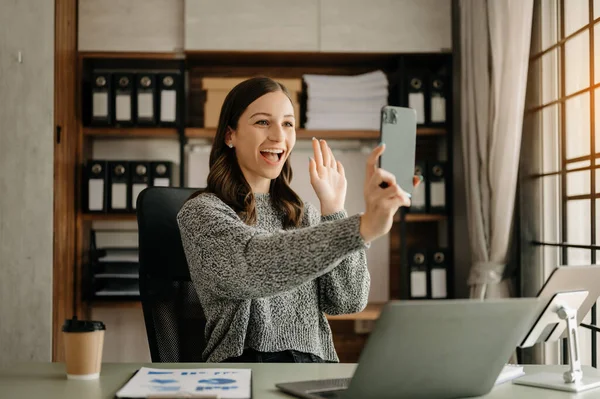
x,y
206,383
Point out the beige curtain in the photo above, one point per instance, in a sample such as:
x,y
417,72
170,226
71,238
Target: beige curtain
x,y
495,38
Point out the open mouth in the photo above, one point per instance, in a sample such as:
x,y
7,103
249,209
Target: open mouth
x,y
272,156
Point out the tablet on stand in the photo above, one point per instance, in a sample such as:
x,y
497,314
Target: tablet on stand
x,y
573,291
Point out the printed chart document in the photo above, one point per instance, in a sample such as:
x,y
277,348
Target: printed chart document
x,y
188,383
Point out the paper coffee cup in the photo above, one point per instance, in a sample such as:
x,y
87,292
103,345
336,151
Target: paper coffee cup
x,y
83,340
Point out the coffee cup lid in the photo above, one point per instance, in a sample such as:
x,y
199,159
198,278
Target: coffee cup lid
x,y
74,325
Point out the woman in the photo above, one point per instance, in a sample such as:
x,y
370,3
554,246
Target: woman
x,y
265,265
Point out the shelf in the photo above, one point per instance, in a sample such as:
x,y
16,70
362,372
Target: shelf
x,y
133,132
199,133
116,304
205,133
421,217
260,58
290,58
109,217
431,131
371,313
131,55
208,133
338,134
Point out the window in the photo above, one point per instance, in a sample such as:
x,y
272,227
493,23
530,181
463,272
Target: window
x,y
563,106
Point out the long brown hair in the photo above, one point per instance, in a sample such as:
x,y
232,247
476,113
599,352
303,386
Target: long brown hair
x,y
225,178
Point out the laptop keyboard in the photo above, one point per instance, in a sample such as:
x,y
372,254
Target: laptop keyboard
x,y
337,394
334,384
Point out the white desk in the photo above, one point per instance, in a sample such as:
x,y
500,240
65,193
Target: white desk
x,y
48,380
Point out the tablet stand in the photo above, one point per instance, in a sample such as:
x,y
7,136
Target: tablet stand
x,y
550,327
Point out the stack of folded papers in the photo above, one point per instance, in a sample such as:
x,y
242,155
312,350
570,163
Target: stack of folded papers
x,y
345,102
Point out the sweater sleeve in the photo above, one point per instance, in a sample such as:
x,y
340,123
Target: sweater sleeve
x,y
246,262
344,289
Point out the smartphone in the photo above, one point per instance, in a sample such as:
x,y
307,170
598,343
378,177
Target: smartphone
x,y
399,133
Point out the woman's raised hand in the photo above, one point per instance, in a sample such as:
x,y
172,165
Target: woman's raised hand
x,y
327,178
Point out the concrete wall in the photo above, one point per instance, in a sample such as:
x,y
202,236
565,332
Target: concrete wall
x,y
26,179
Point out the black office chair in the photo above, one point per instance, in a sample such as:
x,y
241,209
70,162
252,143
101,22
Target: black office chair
x,y
172,312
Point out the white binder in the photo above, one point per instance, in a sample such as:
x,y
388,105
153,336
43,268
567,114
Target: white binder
x,y
146,91
438,101
418,274
118,186
101,92
123,93
416,98
168,98
437,187
96,181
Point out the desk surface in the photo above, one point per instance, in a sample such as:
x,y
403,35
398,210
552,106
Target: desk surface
x,y
48,380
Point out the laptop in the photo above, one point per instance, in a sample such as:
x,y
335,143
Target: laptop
x,y
432,349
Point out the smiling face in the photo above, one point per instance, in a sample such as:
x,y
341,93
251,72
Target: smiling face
x,y
264,139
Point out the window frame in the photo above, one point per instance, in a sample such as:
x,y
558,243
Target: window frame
x,y
536,111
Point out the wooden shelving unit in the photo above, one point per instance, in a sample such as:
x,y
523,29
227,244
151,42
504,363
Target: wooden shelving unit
x,y
278,64
197,65
130,132
88,134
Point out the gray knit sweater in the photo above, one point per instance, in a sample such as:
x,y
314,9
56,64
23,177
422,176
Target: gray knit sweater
x,y
266,288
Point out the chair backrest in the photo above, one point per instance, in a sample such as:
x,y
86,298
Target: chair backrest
x,y
173,315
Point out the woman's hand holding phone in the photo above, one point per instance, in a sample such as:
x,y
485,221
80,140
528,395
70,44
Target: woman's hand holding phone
x,y
383,197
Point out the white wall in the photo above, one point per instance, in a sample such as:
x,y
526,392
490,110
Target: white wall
x,y
387,26
26,179
130,25
395,26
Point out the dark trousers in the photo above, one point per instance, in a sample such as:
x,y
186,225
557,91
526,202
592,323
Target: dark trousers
x,y
289,356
